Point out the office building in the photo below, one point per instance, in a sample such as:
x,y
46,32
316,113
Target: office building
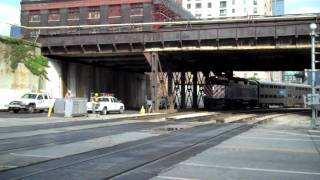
x,y
206,9
278,7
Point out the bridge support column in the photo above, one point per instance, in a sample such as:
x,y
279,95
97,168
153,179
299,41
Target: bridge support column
x,y
154,81
183,90
195,90
229,74
170,90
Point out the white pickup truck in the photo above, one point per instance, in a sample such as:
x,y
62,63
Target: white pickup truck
x,y
32,102
107,104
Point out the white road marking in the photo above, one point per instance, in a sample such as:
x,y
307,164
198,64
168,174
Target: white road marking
x,y
252,169
280,139
174,178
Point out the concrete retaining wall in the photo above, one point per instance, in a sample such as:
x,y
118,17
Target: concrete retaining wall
x,y
14,84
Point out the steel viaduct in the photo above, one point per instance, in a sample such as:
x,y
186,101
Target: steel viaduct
x,y
198,47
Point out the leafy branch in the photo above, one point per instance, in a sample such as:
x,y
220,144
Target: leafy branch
x,y
24,52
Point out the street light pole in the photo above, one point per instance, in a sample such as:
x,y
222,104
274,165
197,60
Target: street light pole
x,y
313,28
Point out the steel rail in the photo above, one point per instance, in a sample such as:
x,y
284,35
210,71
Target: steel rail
x,y
222,130
110,154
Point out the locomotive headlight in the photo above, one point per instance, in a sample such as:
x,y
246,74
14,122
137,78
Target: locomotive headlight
x,y
313,26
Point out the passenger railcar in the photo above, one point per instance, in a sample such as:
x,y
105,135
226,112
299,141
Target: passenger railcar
x,y
282,94
240,92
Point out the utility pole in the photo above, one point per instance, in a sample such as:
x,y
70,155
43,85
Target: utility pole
x,y
313,35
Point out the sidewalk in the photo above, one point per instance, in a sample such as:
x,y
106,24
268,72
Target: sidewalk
x,y
283,149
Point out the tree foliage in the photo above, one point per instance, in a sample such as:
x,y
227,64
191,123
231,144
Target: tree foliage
x,y
24,52
253,78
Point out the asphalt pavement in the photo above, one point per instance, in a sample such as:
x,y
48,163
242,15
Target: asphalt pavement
x,y
103,147
284,149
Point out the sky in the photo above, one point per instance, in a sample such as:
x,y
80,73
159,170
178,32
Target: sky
x,y
10,11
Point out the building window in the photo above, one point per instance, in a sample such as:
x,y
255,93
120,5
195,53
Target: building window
x,y
198,5
188,6
114,11
136,10
94,13
198,15
255,2
255,10
223,4
233,10
73,14
209,5
223,12
54,15
233,2
34,16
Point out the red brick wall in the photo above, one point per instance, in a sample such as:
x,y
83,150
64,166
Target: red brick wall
x,y
77,3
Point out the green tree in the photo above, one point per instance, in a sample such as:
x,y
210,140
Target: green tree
x,y
253,78
21,51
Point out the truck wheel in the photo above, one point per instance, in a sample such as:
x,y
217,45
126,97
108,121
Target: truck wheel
x,y
31,108
121,110
16,110
104,111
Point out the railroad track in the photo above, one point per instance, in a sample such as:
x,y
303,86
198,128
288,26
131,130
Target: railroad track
x,y
45,140
140,159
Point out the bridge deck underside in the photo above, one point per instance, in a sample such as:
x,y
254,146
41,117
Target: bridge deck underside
x,y
236,60
249,60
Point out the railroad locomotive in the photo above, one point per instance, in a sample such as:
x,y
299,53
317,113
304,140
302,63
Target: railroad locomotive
x,y
238,92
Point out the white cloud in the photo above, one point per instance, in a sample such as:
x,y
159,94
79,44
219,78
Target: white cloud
x,y
8,14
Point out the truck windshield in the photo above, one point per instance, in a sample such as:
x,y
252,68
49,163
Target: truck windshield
x,y
29,96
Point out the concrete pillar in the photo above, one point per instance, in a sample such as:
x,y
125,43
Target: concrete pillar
x,y
229,74
54,85
183,90
154,81
170,90
206,75
72,78
64,72
195,90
